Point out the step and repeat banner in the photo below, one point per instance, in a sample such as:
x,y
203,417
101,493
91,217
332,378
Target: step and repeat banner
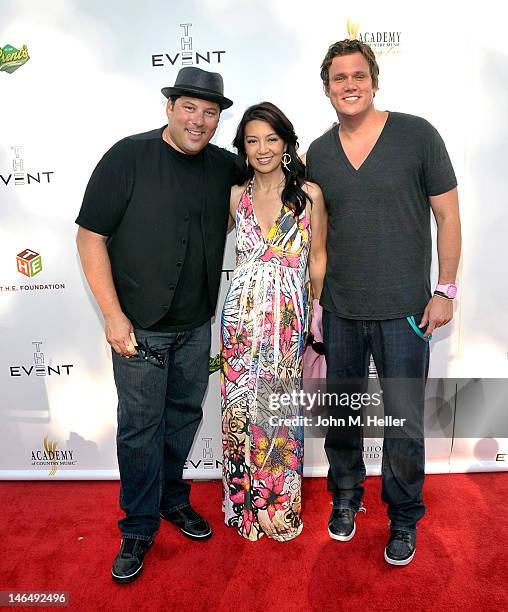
x,y
77,76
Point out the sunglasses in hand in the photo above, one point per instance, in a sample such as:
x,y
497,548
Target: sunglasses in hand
x,y
151,355
317,347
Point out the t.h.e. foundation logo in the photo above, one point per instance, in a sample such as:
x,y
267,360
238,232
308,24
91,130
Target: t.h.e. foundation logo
x,y
29,262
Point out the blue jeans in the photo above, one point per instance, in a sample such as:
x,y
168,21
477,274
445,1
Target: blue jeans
x,y
159,411
399,353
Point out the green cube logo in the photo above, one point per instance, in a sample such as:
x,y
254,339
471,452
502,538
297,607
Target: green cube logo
x,y
29,262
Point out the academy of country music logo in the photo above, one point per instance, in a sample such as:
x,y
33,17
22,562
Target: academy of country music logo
x,y
188,54
207,460
50,456
29,264
11,58
40,365
18,175
386,42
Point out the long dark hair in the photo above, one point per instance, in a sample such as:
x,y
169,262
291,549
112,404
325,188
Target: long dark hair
x,y
292,195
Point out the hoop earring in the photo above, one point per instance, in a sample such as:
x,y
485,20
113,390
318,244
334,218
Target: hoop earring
x,y
286,160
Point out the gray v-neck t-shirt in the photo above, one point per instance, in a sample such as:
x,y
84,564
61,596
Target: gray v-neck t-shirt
x,y
379,238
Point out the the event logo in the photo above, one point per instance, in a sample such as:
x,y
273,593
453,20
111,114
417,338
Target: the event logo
x,y
50,456
207,462
382,42
187,55
29,263
228,272
19,176
11,58
39,367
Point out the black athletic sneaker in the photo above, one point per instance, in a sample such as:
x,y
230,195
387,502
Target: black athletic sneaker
x,y
401,547
128,563
341,524
190,523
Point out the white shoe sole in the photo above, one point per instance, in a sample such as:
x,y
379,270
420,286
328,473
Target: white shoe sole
x,y
343,538
128,578
194,536
396,562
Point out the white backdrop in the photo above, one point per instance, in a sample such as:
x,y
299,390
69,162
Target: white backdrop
x,y
94,75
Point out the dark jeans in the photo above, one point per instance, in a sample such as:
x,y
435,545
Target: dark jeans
x,y
399,353
159,411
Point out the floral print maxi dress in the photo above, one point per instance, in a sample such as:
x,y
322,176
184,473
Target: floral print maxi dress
x,y
262,337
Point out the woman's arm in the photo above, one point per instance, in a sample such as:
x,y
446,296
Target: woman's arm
x,y
236,194
319,224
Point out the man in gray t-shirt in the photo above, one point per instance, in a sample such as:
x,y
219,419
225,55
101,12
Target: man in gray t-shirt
x,y
381,174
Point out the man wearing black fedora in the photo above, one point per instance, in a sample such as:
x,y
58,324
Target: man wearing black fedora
x,y
151,239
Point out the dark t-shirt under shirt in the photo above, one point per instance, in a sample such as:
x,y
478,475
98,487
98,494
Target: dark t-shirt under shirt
x,y
379,238
191,305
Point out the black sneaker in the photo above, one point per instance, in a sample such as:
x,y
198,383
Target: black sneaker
x,y
341,524
401,547
191,524
128,563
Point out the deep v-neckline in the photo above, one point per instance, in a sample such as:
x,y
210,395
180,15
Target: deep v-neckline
x,y
258,225
371,154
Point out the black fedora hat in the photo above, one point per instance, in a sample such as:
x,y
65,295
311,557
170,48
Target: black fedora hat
x,y
198,83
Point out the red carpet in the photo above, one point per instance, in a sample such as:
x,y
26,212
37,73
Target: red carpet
x,y
62,536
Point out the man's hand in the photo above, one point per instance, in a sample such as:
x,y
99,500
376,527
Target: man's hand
x,y
118,330
316,324
438,312
97,267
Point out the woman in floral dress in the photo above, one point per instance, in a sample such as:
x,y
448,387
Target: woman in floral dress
x,y
263,323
